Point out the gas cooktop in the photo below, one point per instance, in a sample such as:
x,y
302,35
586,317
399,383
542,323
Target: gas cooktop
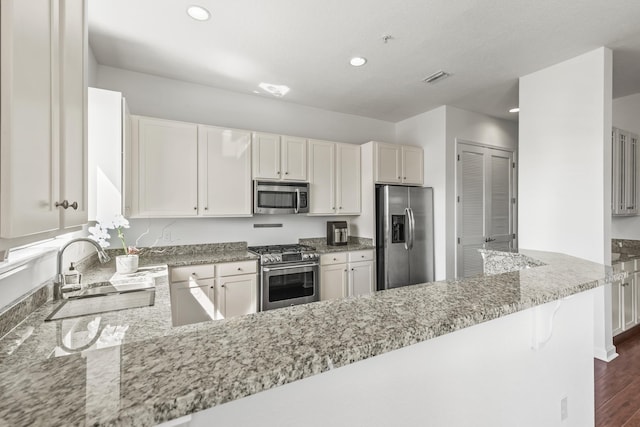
x,y
284,254
280,249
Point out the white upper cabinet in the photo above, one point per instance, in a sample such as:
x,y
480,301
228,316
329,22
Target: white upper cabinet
x,y
322,177
294,158
225,171
266,156
43,162
398,164
348,186
624,194
183,169
387,162
277,157
165,160
412,165
334,177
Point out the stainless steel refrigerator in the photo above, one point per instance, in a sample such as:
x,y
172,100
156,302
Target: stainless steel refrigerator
x,y
404,236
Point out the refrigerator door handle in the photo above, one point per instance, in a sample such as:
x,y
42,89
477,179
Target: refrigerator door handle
x,y
407,236
412,228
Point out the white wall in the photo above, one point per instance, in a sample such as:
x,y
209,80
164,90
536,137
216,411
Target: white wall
x,y
626,115
437,132
565,168
176,100
476,128
428,130
485,375
187,231
565,157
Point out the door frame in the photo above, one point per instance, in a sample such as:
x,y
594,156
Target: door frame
x,y
514,206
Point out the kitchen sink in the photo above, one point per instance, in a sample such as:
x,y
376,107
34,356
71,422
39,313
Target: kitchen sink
x,y
100,300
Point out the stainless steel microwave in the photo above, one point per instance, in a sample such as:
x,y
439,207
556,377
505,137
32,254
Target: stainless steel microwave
x,y
280,197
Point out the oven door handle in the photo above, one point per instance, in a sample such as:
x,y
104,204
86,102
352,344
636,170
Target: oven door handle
x,y
297,206
289,267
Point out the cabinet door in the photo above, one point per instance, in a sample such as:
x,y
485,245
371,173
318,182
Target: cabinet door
x,y
387,159
628,303
73,112
29,163
191,301
266,156
237,295
225,171
294,158
616,309
322,177
167,167
333,282
412,165
348,187
361,278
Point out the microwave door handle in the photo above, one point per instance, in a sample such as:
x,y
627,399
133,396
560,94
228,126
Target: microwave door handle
x,y
297,206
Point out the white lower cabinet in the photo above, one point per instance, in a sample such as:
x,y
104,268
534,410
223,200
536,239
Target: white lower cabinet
x,y
191,298
213,291
344,274
625,299
236,295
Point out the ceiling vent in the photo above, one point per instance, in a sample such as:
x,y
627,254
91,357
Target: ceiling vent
x,y
436,77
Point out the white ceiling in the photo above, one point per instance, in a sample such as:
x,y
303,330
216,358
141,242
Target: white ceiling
x,y
486,45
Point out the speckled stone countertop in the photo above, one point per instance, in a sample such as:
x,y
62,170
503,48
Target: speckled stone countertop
x,y
149,372
354,244
624,250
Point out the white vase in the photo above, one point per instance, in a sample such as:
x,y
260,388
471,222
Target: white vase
x,y
126,264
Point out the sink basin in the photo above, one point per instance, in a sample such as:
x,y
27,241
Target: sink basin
x,y
101,303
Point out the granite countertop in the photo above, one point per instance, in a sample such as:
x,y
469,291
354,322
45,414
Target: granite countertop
x,y
150,372
354,244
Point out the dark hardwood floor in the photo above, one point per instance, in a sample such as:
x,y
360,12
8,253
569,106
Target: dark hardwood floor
x,y
617,384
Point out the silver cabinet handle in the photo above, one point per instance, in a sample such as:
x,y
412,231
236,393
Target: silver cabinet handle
x,y
65,204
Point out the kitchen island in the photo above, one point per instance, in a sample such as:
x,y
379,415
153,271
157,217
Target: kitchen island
x,y
151,372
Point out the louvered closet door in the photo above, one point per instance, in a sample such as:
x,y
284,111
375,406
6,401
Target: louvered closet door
x,y
471,209
484,205
499,200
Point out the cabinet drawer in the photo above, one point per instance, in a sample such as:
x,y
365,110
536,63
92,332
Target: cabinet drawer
x,y
333,258
366,255
235,268
179,274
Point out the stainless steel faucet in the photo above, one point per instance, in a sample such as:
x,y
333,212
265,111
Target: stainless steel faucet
x,y
57,286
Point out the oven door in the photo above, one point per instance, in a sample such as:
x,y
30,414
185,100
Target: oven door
x,y
283,286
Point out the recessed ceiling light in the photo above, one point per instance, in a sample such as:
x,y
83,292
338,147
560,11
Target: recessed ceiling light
x,y
514,110
198,13
358,61
275,90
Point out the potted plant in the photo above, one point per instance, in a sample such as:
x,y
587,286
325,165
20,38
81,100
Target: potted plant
x,y
126,263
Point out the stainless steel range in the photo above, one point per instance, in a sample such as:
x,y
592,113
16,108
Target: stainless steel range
x,y
288,275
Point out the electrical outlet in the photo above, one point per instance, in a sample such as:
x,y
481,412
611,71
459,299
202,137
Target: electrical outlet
x,y
166,235
564,408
